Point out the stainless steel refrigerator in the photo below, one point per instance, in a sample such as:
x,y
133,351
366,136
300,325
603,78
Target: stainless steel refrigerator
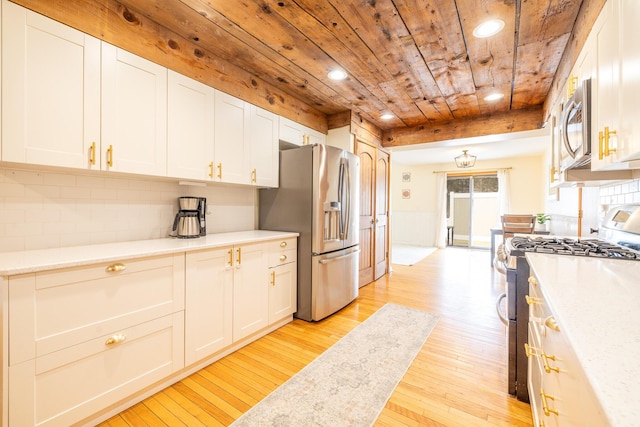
x,y
318,197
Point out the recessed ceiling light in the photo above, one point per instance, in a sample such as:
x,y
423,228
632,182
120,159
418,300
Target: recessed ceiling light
x,y
493,97
337,74
387,116
488,28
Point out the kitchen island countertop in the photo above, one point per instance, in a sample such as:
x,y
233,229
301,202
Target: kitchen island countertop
x,y
21,262
596,303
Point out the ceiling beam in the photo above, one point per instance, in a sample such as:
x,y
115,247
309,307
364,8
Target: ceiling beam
x,y
498,123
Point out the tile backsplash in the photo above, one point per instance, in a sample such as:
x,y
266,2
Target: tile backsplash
x,y
623,193
44,209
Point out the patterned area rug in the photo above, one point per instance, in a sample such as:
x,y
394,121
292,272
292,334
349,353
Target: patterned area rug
x,y
349,384
410,255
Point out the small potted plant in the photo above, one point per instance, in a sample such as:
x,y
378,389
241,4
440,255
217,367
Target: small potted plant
x,y
541,221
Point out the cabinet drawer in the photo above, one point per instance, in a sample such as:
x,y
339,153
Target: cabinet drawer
x,y
57,309
282,252
69,385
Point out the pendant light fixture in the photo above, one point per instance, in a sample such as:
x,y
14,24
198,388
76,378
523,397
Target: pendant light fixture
x,y
465,160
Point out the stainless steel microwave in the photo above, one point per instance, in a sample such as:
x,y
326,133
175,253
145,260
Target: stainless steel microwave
x,y
576,128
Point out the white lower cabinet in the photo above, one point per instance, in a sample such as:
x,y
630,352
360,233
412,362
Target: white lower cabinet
x,y
236,291
559,392
69,385
250,290
81,339
209,300
283,279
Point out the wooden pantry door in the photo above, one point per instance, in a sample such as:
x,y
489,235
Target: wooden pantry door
x,y
374,196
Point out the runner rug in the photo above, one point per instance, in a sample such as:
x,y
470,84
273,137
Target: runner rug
x,y
350,383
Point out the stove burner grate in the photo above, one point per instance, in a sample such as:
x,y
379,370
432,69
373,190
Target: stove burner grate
x,y
571,246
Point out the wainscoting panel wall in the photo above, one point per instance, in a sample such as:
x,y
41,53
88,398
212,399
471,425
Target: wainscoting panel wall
x,y
413,228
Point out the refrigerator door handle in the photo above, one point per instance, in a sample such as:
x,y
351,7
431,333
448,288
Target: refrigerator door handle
x,y
341,175
328,260
347,221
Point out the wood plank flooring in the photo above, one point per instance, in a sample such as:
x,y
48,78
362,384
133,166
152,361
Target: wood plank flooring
x,y
457,379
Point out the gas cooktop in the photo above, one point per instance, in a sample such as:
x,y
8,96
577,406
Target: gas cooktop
x,y
573,246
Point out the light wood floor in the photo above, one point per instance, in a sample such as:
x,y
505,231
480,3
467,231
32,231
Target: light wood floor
x,y
457,379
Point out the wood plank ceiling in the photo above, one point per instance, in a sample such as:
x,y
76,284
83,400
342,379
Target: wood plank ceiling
x,y
415,59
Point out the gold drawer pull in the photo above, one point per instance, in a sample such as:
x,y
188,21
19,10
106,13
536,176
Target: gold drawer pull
x,y
210,169
283,244
116,268
283,257
550,322
230,263
219,170
532,300
530,351
239,258
92,154
115,339
273,278
533,281
545,407
253,176
110,156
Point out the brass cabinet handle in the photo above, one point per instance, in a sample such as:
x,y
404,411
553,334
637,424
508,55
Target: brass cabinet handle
x,y
110,156
239,258
116,268
600,145
550,322
273,278
92,154
115,339
210,169
532,300
532,280
283,244
253,176
545,406
283,257
607,134
533,351
572,85
219,170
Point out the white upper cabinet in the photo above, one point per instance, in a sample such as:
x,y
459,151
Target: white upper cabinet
x,y
231,132
190,128
297,134
134,113
616,132
51,91
263,158
629,126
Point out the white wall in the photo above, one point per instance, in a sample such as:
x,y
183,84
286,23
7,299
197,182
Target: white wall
x,y
413,220
50,209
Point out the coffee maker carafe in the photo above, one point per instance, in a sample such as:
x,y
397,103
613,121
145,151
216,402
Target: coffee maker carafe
x,y
190,220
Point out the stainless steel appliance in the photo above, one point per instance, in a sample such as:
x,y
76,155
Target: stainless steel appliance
x,y
576,128
190,221
619,238
318,197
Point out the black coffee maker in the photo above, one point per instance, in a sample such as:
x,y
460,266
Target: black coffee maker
x,y
190,221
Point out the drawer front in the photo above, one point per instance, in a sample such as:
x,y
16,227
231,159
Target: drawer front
x,y
282,252
53,310
67,386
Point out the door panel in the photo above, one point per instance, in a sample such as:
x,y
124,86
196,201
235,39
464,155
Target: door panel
x,y
326,217
367,220
382,208
334,282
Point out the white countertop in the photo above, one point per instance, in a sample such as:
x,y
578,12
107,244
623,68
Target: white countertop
x,y
12,263
596,303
